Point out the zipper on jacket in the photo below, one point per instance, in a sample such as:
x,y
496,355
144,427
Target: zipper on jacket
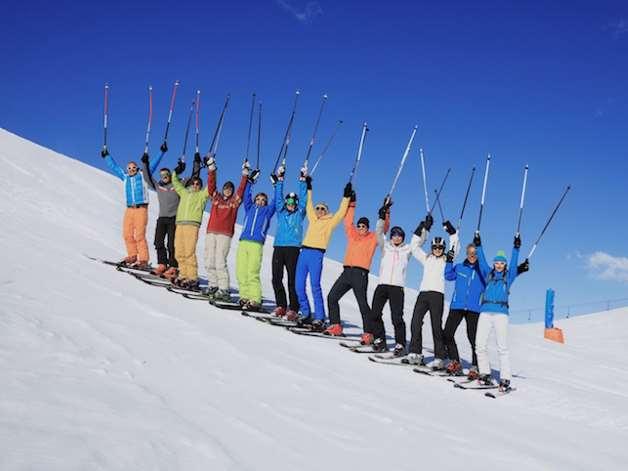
x,y
254,219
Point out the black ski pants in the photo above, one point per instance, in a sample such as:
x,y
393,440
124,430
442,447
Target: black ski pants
x,y
166,226
395,295
431,301
453,321
351,278
285,257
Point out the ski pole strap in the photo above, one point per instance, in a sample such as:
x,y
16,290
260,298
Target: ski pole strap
x,y
403,161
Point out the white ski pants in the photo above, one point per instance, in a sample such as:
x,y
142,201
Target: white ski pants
x,y
216,251
486,322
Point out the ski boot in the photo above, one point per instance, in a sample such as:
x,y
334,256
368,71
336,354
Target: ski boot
x,y
334,330
318,325
279,311
223,296
454,368
304,321
379,345
414,359
473,373
128,261
399,350
485,380
159,270
191,285
504,385
140,265
437,364
252,306
243,302
211,293
170,274
292,315
366,339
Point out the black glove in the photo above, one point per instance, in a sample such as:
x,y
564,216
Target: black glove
x,y
274,178
308,182
476,239
104,152
164,147
517,242
450,256
382,212
145,159
523,267
180,168
197,157
419,229
429,220
449,228
347,190
352,198
254,175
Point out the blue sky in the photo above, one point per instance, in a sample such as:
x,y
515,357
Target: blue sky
x,y
540,83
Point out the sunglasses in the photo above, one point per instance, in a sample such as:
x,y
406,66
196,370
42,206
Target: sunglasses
x,y
320,208
196,183
132,169
165,175
438,247
361,226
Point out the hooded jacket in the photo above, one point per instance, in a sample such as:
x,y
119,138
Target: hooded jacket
x,y
289,224
497,291
469,285
135,188
394,262
224,211
257,218
192,203
361,248
320,229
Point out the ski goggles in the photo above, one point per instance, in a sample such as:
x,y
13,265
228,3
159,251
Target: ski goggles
x,y
291,202
438,247
362,226
320,208
132,168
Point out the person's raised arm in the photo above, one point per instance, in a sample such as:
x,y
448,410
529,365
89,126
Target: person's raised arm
x,y
176,183
418,239
196,169
147,174
113,165
303,193
211,177
311,214
513,270
344,205
247,198
278,194
155,163
450,271
483,265
350,229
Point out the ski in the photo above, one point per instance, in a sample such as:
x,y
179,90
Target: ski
x,y
183,291
311,333
476,386
352,345
500,393
388,361
426,370
235,307
135,270
460,381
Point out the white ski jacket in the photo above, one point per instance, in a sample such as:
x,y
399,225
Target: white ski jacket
x,y
394,261
433,267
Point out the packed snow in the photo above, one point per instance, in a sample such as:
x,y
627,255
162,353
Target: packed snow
x,y
102,372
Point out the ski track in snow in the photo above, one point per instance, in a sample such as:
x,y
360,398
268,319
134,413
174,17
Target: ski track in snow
x,y
101,371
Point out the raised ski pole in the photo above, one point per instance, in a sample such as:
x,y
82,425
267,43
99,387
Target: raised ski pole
x,y
213,147
427,201
170,111
488,163
358,157
313,138
259,134
289,131
466,197
403,161
197,111
248,137
150,118
440,207
549,221
105,117
286,137
440,190
523,195
326,148
187,132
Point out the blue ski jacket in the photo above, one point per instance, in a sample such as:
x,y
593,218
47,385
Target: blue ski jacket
x,y
256,219
497,291
469,285
135,187
290,224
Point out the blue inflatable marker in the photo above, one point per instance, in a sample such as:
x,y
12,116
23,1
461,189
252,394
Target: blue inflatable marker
x,y
549,308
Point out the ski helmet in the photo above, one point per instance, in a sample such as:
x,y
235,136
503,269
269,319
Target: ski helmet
x,y
438,242
291,198
397,231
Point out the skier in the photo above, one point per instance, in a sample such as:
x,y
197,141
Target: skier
x,y
431,292
361,245
250,249
392,278
136,213
465,304
189,217
220,228
166,221
291,211
321,226
494,309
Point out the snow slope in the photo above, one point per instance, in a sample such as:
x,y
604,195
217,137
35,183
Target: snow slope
x,y
100,371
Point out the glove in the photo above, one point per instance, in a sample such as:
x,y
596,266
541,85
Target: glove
x,y
246,169
476,239
429,220
281,171
308,182
274,178
449,228
382,212
450,256
347,191
197,157
352,198
523,267
517,242
210,163
254,175
303,174
164,147
104,152
144,159
180,168
419,229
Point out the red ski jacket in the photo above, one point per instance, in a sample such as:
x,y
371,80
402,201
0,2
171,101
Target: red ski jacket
x,y
224,211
